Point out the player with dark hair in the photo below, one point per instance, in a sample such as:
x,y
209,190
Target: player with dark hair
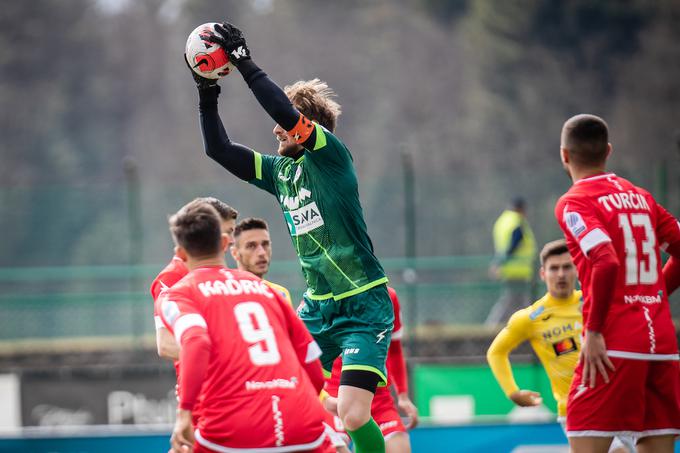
x,y
175,270
627,380
242,348
346,306
252,251
553,326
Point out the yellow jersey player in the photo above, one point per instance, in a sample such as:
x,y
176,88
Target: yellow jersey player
x,y
553,326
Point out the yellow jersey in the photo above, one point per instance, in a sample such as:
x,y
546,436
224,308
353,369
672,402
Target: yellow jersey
x,y
281,290
553,328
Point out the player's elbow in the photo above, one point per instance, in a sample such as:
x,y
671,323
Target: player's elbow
x,y
166,347
163,351
493,354
212,152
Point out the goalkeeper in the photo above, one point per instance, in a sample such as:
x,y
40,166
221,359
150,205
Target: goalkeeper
x,y
346,306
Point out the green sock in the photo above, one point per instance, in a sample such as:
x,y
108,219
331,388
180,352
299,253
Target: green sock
x,y
368,438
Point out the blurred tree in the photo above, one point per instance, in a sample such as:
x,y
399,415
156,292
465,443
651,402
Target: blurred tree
x,y
476,89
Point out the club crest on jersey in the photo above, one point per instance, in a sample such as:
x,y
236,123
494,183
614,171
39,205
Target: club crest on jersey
x,y
304,219
170,311
565,346
533,315
575,223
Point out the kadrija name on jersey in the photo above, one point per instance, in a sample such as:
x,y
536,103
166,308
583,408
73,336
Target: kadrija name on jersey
x,y
623,200
232,287
303,220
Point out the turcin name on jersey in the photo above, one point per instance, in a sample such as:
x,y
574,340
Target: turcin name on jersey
x,y
623,200
233,287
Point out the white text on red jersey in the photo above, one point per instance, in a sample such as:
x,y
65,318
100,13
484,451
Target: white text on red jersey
x,y
623,200
233,287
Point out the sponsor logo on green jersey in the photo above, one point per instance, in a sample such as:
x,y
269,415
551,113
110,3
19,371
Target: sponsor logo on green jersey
x,y
304,219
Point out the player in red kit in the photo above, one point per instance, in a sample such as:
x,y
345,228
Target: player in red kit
x,y
175,271
383,409
242,348
627,381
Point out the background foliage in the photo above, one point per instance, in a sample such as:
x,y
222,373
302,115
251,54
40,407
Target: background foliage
x,y
476,90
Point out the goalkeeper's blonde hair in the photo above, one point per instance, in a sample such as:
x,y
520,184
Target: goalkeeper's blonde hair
x,y
314,99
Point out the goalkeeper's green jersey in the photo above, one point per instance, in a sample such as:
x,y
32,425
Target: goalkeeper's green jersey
x,y
319,196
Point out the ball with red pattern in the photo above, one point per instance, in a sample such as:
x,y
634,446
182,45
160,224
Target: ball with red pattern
x,y
206,59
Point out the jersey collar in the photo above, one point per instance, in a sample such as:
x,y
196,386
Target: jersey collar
x,y
595,177
550,300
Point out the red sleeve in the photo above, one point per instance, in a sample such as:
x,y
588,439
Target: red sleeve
x,y
306,349
171,274
194,357
315,373
605,266
397,366
398,328
181,315
581,224
668,232
671,274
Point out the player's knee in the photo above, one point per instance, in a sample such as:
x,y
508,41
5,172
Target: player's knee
x,y
355,420
353,414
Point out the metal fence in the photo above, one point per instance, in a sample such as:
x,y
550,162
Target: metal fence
x,y
50,302
451,293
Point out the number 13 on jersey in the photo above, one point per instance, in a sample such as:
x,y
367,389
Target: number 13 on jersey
x,y
639,269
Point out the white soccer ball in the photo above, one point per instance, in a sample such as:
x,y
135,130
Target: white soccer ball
x,y
207,59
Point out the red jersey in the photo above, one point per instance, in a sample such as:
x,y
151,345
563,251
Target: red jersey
x,y
171,274
608,209
255,387
395,360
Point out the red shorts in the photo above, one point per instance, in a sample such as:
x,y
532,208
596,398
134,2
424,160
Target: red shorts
x,y
641,399
325,447
386,415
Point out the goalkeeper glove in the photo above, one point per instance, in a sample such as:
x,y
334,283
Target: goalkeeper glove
x,y
201,82
232,41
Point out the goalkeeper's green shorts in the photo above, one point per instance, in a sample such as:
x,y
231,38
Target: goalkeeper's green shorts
x,y
359,327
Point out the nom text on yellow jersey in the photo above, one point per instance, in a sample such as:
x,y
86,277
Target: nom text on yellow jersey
x,y
553,328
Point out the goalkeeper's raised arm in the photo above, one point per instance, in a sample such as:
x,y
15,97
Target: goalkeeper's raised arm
x,y
272,98
293,130
314,182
